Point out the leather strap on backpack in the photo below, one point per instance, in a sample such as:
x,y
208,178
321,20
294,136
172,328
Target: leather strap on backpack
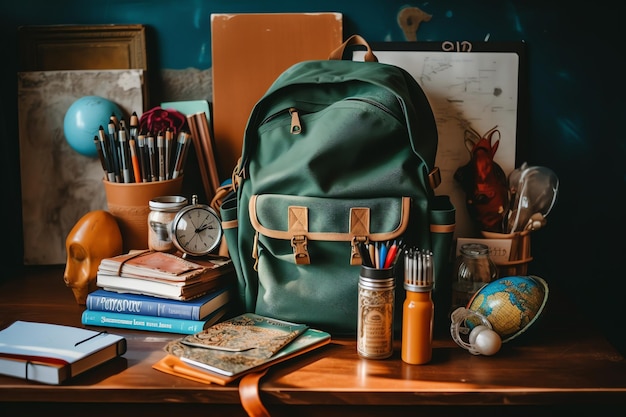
x,y
249,394
337,54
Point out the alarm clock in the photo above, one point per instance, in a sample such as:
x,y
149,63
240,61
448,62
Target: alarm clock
x,y
196,229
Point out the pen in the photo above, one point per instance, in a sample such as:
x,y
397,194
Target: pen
x,y
186,146
365,255
98,146
179,154
372,251
115,150
143,161
391,255
376,255
151,157
383,255
106,150
169,143
125,156
160,143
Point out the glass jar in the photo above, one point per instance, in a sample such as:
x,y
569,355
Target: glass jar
x,y
162,212
474,269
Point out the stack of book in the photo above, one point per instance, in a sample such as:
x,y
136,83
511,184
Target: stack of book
x,y
160,292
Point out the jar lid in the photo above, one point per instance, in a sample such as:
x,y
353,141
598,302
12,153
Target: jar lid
x,y
474,249
168,203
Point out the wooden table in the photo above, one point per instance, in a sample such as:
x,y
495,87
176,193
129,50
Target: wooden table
x,y
561,365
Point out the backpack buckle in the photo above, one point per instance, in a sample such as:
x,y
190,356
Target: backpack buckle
x,y
300,250
355,255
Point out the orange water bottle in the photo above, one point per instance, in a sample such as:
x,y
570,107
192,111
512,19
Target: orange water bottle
x,y
418,309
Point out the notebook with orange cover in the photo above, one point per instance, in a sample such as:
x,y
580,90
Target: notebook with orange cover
x,y
175,363
249,51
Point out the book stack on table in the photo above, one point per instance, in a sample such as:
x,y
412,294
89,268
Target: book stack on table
x,y
160,292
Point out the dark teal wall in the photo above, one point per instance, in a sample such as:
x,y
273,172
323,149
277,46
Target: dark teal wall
x,y
576,86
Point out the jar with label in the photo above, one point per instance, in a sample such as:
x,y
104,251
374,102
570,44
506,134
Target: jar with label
x,y
475,268
162,212
376,310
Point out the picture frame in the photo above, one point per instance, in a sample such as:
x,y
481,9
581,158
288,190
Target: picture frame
x,y
58,64
470,85
58,184
79,47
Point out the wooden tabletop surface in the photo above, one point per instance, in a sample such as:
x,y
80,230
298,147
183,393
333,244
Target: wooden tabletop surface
x,y
563,361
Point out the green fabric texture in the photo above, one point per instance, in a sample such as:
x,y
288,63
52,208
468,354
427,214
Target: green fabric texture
x,y
368,138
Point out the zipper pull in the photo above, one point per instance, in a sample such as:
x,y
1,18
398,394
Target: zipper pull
x,y
296,127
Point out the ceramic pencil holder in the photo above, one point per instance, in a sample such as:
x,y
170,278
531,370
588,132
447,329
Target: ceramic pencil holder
x,y
129,203
519,254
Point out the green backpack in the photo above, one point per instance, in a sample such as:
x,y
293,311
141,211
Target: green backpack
x,y
335,153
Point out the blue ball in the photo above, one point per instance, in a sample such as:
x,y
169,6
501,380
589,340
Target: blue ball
x,y
83,119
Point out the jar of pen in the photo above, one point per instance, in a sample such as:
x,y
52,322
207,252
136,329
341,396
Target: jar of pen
x,y
376,299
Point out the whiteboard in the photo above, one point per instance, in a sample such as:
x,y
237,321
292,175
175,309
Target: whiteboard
x,y
475,90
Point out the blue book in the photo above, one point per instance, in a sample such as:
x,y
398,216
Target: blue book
x,y
145,305
151,323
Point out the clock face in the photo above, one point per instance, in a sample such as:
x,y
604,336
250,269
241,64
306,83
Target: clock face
x,y
196,230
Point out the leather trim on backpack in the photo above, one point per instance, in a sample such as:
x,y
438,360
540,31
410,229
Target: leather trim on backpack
x,y
442,228
328,235
434,178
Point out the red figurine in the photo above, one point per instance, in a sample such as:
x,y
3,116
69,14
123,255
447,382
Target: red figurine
x,y
483,181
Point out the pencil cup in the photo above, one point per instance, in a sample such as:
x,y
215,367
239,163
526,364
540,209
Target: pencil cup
x,y
130,204
519,254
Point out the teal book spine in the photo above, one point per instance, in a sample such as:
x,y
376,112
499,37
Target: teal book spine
x,y
150,323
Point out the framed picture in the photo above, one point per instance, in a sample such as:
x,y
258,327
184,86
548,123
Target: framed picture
x,y
75,47
57,65
59,185
472,87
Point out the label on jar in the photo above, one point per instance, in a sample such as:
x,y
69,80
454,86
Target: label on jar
x,y
375,322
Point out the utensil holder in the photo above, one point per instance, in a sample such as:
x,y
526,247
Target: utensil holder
x,y
130,204
519,255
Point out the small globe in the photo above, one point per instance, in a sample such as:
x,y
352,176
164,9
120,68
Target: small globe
x,y
511,304
83,119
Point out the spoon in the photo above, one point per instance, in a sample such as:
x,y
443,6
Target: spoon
x,y
535,192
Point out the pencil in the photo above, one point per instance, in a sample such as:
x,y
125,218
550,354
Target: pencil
x,y
135,160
